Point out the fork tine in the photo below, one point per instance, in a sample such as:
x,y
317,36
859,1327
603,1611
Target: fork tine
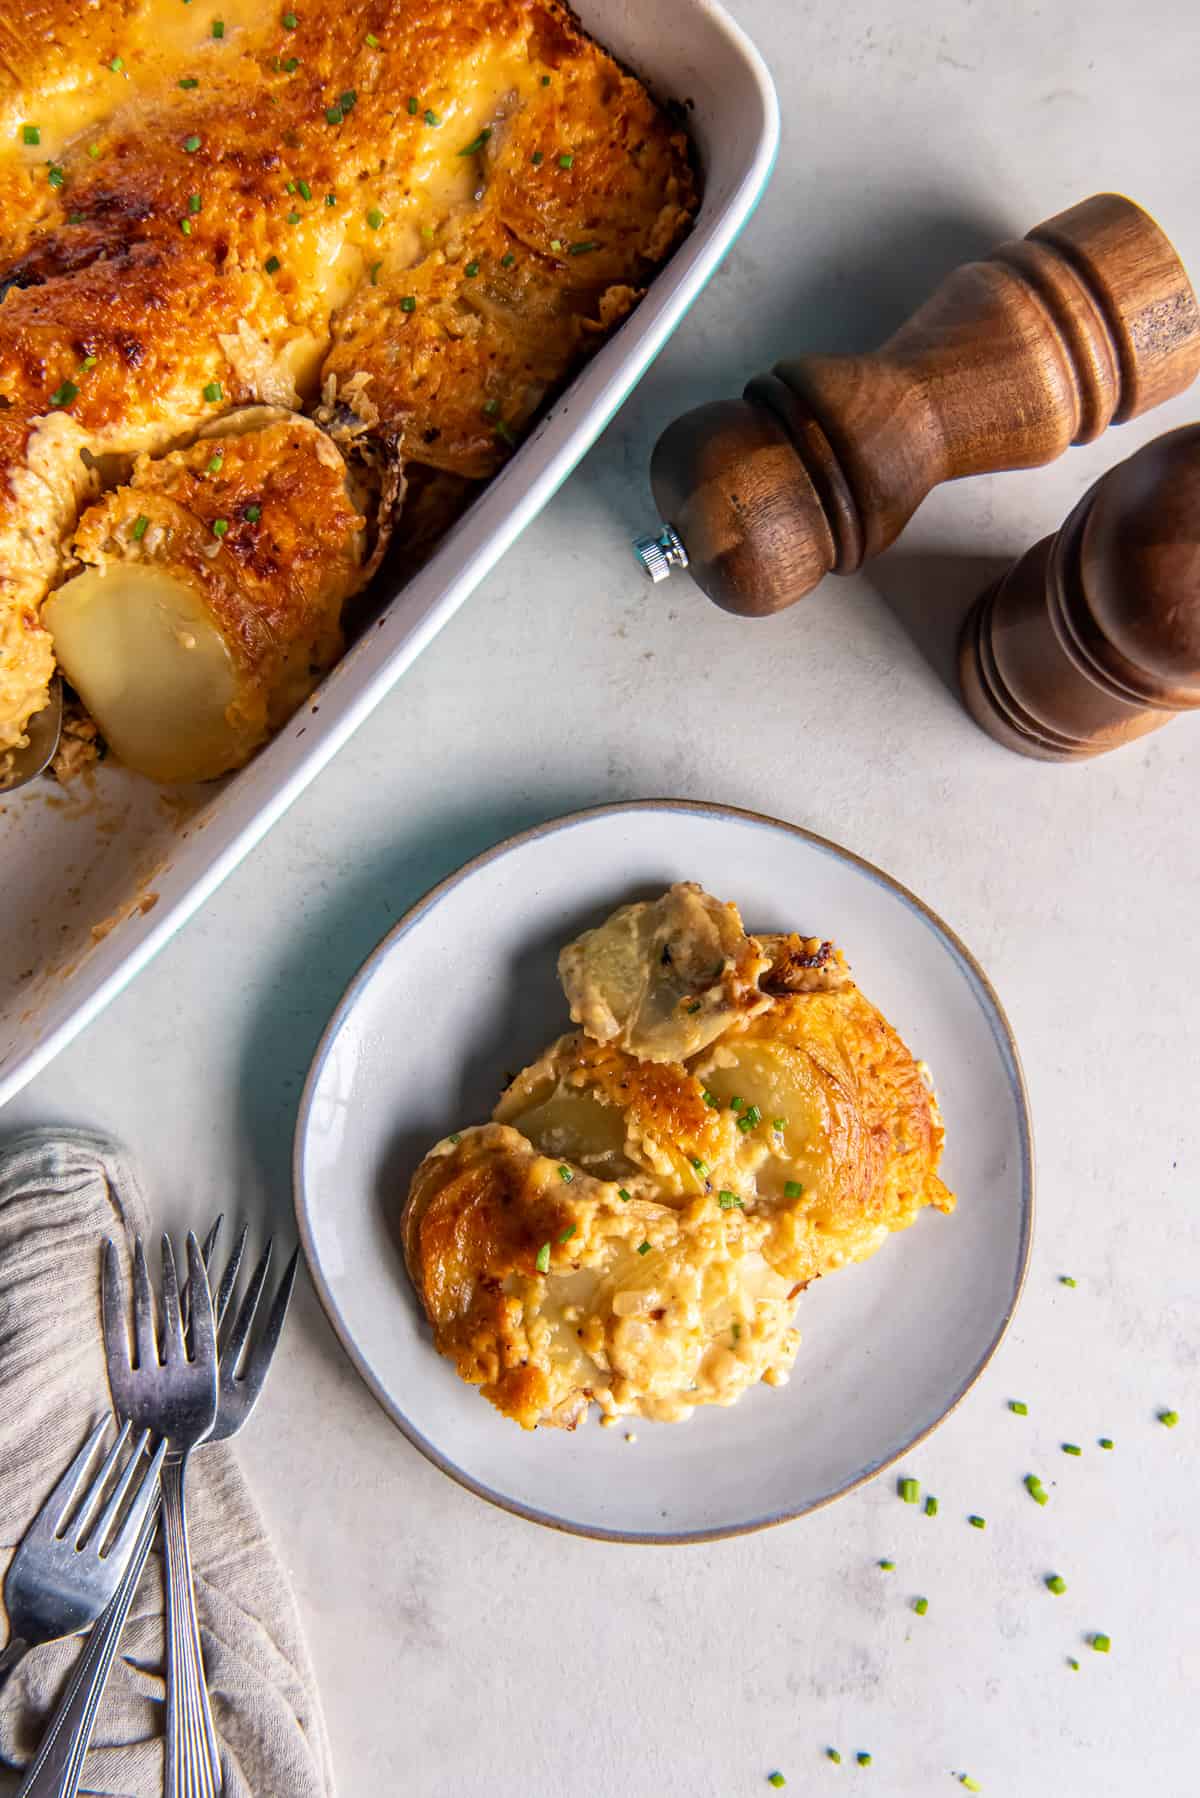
x,y
204,1328
50,1517
210,1241
244,1320
263,1351
98,1537
229,1277
114,1312
207,1248
145,1334
139,1508
172,1318
93,1498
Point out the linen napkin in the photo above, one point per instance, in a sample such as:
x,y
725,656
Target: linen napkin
x,y
61,1193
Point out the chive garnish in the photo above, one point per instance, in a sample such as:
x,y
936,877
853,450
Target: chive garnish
x,y
305,190
490,408
220,526
1169,1418
727,1200
218,28
735,1104
863,1758
457,1137
968,1784
293,218
750,1119
505,430
95,152
1106,1442
622,1194
567,1233
643,1248
471,270
272,265
252,514
375,268
31,134
431,117
1036,1490
408,303
476,144
331,199
1066,1280
191,144
289,21
141,525
1072,1663
216,462
185,225
920,1606
713,1104
414,106
545,80
887,1566
701,1167
55,176
62,396
537,159
88,362
194,202
1101,1643
693,1008
1019,1406
371,41
348,99
212,392
290,64
792,1189
833,1755
567,1174
117,65
543,1258
776,1779
374,218
779,1125
507,260
333,115
583,249
1056,1583
1071,1448
566,161
909,1490
189,81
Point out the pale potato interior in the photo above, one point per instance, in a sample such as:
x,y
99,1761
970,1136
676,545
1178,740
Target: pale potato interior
x,y
151,667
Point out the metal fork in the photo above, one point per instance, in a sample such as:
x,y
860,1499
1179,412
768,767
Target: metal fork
x,y
171,1389
70,1562
57,1768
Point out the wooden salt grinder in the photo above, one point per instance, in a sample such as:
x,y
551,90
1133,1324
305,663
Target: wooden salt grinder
x,y
1093,637
1088,321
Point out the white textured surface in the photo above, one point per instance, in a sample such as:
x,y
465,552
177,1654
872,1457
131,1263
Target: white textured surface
x,y
462,1651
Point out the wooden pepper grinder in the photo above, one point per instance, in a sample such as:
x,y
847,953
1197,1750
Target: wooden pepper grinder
x,y
1088,321
1093,637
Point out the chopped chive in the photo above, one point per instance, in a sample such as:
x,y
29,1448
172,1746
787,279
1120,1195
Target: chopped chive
x,y
567,1234
727,1200
887,1566
735,1104
62,396
218,28
1056,1583
371,41
1106,1442
141,525
88,362
414,106
331,199
779,1124
1071,1448
507,260
252,514
220,526
505,431
289,187
1019,1406
736,1332
1066,1280
920,1606
349,99
693,1008
831,1754
408,303
537,159
189,81
567,1174
374,218
583,249
375,268
977,1523
622,1194
1073,1663
185,225
969,1784
471,270
749,1119
714,1104
272,265
216,463
931,1506
194,202
543,1258
566,161
55,176
545,80
792,1189
909,1490
556,246
643,1248
1036,1490
334,115
191,144
117,64
212,392
490,408
701,1167
95,152
863,1758
1168,1418
776,1779
1101,1643
289,21
293,218
31,134
290,64
305,190
476,144
431,117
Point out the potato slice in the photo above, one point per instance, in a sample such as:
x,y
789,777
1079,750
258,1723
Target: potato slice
x,y
210,595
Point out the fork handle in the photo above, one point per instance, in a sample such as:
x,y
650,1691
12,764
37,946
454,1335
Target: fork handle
x,y
192,1766
57,1767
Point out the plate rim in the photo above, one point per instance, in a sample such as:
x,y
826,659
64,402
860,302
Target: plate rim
x,y
349,998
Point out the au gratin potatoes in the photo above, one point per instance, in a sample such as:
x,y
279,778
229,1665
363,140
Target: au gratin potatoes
x,y
632,1229
278,281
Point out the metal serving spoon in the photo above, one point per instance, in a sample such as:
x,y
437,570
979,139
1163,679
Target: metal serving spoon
x,y
44,730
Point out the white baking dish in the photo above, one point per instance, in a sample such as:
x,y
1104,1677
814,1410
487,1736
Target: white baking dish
x,y
92,885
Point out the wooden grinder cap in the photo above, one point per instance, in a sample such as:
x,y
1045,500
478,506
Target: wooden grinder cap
x,y
1088,321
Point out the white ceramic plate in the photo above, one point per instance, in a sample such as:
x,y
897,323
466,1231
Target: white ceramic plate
x,y
464,989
